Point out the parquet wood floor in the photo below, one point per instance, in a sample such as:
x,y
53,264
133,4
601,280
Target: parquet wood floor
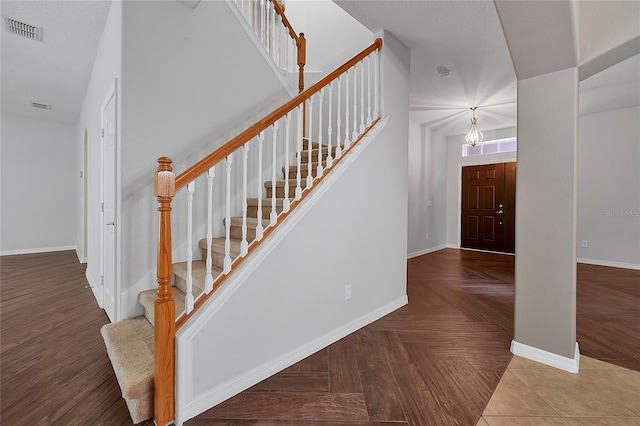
x,y
436,361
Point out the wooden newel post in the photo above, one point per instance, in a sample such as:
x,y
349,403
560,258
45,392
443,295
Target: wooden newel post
x,y
164,322
301,43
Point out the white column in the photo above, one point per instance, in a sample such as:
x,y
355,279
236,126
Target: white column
x,y
545,280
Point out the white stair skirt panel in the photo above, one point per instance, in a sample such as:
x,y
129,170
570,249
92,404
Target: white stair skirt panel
x,y
189,405
547,358
231,388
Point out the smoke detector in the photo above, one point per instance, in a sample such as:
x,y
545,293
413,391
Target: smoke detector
x,y
22,29
443,71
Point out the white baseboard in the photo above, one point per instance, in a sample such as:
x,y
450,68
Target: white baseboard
x,y
453,246
572,365
232,387
96,288
623,265
36,250
426,251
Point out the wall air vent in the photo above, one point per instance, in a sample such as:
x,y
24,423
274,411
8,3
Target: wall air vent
x,y
41,106
22,29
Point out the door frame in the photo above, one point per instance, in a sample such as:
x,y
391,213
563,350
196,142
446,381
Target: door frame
x,y
479,162
111,93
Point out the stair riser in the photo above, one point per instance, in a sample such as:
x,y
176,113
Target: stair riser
x,y
181,283
303,174
280,192
304,157
266,211
217,259
236,233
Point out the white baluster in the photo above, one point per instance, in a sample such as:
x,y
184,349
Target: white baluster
x,y
188,301
259,228
227,217
276,32
362,126
208,280
273,217
287,202
299,137
369,90
263,20
346,112
272,11
376,86
254,15
244,244
320,169
329,128
354,135
310,146
339,120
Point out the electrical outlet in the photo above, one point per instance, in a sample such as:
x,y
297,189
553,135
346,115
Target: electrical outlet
x,y
347,292
585,243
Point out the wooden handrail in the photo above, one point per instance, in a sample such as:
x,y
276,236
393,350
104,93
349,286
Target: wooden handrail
x,y
280,11
236,143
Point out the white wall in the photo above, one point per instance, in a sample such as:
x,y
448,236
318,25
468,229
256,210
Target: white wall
x,y
609,188
427,191
106,69
38,186
455,162
333,36
294,299
191,80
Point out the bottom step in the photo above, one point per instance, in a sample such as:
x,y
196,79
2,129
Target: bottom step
x,y
130,348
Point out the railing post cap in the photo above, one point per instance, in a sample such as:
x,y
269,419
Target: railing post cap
x,y
164,181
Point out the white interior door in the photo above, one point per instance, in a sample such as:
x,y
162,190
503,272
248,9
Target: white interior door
x,y
109,235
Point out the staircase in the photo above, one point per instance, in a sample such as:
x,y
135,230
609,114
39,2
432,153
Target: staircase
x,y
340,109
130,342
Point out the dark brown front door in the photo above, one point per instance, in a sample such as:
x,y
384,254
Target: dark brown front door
x,y
488,207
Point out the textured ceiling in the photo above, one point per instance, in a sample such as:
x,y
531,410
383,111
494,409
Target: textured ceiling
x,y
465,36
55,71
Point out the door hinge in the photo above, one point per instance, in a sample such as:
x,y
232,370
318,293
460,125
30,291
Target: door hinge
x,y
102,207
102,132
102,280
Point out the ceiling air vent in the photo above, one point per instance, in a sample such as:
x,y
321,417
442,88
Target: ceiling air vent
x,y
22,29
41,106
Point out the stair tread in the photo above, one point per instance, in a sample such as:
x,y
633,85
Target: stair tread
x,y
252,202
147,299
252,222
303,166
198,274
218,243
130,347
281,183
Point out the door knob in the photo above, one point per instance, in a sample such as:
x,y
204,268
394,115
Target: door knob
x,y
111,223
499,211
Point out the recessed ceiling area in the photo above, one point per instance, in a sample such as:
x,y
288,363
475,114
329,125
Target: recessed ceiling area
x,y
55,71
468,38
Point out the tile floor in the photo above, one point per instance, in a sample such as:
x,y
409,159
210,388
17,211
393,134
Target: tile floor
x,y
531,394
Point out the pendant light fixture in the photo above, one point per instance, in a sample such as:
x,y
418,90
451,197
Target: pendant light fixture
x,y
474,136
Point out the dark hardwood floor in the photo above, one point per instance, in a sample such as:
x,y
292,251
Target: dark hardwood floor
x,y
435,361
